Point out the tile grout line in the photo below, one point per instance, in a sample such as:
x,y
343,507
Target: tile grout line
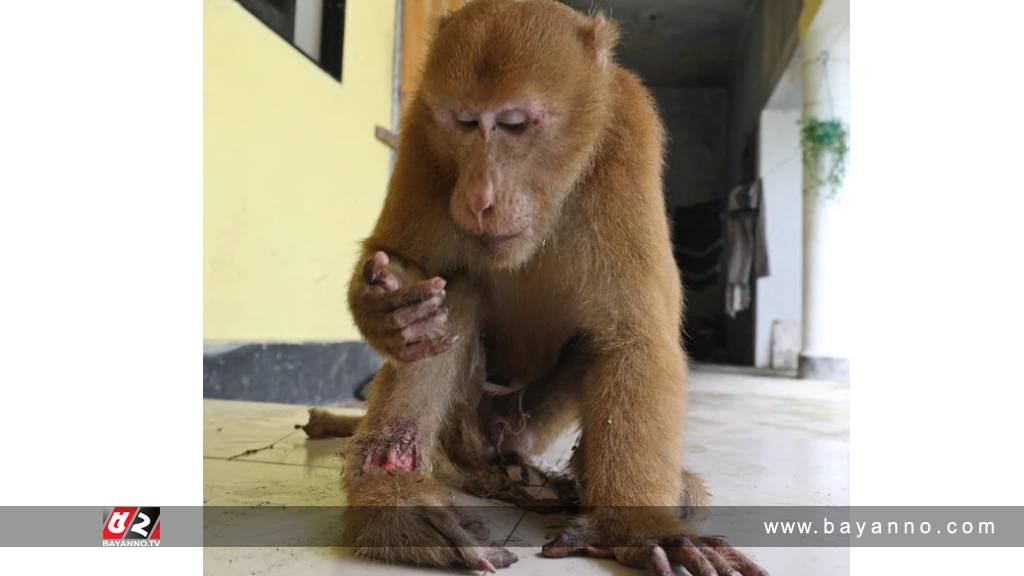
x,y
522,516
252,451
271,462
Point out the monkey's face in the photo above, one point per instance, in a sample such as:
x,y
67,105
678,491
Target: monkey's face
x,y
502,196
516,93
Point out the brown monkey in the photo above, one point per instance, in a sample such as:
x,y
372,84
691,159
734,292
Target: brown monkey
x,y
524,242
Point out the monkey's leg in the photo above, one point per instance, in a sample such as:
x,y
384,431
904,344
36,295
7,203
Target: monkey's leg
x,y
527,423
521,426
397,511
517,426
630,457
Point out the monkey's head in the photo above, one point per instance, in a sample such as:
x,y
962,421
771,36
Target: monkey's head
x,y
517,98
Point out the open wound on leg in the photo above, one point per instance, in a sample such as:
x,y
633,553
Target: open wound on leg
x,y
396,449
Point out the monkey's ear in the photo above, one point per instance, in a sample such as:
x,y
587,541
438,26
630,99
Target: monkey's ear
x,y
601,36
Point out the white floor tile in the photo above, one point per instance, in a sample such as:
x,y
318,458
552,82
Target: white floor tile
x,y
756,441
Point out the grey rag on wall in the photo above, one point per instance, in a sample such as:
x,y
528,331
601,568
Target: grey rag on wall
x,y
746,250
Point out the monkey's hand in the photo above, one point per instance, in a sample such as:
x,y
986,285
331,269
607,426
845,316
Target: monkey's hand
x,y
404,320
701,556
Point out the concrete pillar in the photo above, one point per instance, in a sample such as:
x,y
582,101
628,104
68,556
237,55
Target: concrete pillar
x,y
826,251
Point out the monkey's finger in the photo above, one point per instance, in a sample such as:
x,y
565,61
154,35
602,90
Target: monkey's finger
x,y
567,543
389,282
551,550
430,328
658,561
684,552
473,555
500,557
487,559
718,561
737,559
415,352
408,315
374,266
380,278
638,556
412,294
598,552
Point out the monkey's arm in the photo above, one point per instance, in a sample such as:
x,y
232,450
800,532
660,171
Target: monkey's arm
x,y
635,390
398,305
630,453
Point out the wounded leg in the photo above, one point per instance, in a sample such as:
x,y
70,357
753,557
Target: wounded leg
x,y
397,510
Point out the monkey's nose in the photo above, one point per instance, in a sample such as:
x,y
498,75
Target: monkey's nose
x,y
481,216
481,207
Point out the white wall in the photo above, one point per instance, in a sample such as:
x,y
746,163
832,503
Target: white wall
x,y
779,295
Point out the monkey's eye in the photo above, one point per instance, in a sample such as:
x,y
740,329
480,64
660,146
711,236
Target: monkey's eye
x,y
466,120
514,121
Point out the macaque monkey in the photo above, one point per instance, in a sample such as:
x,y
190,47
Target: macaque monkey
x,y
524,243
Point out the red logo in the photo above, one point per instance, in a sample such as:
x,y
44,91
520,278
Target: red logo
x,y
132,526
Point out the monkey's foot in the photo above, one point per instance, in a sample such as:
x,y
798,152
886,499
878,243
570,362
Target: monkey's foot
x,y
396,515
425,536
704,556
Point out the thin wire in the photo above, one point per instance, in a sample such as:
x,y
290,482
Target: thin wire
x,y
823,57
832,44
825,54
779,165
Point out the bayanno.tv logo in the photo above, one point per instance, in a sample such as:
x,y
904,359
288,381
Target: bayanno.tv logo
x,y
131,526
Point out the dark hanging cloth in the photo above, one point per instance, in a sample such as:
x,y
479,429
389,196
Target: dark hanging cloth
x,y
745,245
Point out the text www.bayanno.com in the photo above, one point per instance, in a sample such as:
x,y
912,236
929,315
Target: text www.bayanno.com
x,y
861,528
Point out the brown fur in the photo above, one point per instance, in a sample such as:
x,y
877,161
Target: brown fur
x,y
581,309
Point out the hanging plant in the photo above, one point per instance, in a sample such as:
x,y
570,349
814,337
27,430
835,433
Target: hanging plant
x,y
821,139
824,139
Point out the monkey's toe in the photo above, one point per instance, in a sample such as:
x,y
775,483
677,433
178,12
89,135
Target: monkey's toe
x,y
425,535
709,556
495,558
717,546
465,536
575,541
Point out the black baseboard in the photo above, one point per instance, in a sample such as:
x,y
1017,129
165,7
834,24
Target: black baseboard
x,y
824,368
315,373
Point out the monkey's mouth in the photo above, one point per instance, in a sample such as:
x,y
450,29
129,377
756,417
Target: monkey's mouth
x,y
496,242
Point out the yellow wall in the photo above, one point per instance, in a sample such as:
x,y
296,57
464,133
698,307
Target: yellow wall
x,y
807,15
293,175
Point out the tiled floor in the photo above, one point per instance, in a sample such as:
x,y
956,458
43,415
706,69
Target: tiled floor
x,y
756,440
